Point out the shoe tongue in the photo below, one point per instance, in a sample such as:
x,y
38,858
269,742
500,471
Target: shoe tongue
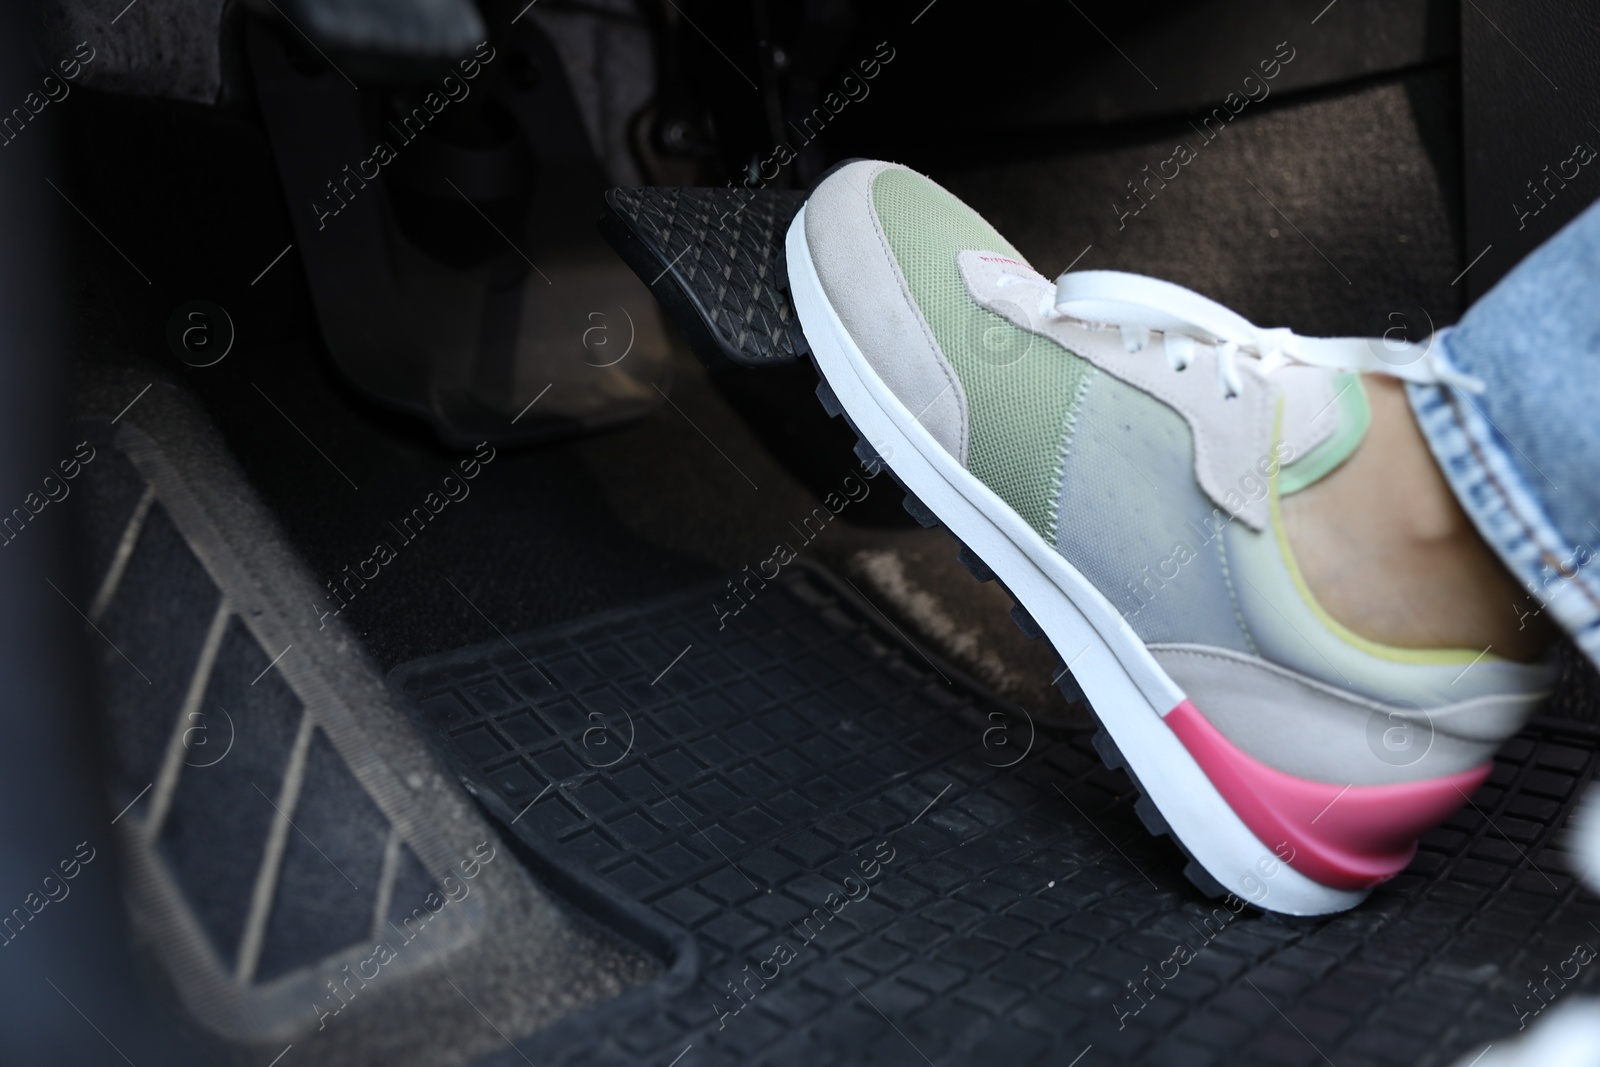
x,y
1346,407
1007,264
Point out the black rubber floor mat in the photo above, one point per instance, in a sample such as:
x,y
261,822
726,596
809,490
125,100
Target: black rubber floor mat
x,y
714,258
850,855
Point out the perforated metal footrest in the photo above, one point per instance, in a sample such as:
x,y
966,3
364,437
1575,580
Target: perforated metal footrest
x,y
268,844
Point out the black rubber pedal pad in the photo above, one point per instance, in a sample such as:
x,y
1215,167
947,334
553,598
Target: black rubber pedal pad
x,y
731,297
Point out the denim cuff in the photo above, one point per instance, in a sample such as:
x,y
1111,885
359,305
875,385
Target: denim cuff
x,y
1509,512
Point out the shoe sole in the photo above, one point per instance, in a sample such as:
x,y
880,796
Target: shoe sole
x,y
1119,679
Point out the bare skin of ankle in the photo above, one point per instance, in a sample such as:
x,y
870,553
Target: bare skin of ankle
x,y
1388,552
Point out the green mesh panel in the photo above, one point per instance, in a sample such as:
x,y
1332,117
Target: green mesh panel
x,y
1021,388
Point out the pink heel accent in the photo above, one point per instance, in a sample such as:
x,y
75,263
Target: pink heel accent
x,y
1346,837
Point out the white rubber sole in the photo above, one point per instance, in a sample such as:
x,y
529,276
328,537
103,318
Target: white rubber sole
x,y
1127,689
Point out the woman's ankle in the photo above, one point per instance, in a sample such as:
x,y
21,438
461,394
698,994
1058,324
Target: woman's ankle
x,y
1386,549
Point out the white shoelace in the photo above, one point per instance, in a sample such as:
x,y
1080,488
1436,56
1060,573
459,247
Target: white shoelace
x,y
1139,306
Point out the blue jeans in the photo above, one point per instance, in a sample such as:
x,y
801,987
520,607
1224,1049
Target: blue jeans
x,y
1521,456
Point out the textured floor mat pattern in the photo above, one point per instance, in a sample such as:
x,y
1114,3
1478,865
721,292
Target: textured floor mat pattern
x,y
859,859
